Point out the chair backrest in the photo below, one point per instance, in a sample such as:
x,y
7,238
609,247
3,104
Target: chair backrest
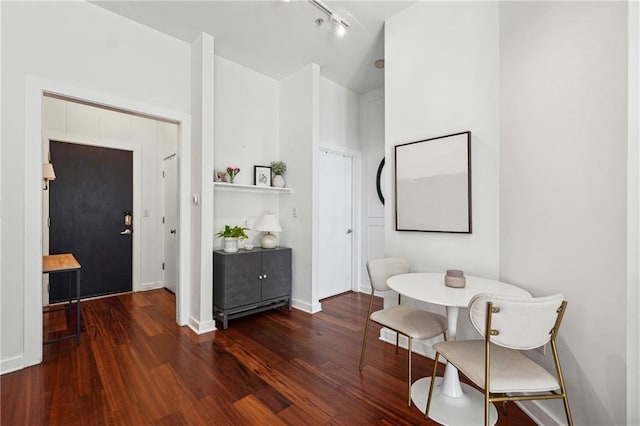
x,y
382,269
521,322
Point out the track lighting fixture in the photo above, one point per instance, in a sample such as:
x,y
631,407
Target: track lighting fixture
x,y
340,24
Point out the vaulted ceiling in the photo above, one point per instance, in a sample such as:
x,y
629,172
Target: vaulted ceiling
x,y
275,37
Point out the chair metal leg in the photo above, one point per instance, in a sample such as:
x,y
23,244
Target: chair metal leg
x,y
366,330
364,344
486,408
433,380
567,410
409,379
563,389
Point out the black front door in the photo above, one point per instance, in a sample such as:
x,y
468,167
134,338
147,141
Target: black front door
x,y
87,204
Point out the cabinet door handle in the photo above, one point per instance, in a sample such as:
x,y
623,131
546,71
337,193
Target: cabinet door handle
x,y
260,277
264,276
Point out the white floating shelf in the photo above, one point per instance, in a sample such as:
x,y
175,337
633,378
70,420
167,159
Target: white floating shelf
x,y
237,187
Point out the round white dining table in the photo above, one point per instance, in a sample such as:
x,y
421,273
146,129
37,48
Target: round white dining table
x,y
453,402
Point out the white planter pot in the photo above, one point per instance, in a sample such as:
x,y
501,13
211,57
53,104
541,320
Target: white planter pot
x,y
230,244
278,181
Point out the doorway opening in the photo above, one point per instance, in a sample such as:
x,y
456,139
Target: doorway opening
x,y
336,219
170,222
37,90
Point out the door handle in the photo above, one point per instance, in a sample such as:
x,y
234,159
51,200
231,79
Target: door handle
x,y
126,232
349,231
173,231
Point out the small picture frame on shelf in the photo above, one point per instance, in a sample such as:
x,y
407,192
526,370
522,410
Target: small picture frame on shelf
x,y
220,176
262,176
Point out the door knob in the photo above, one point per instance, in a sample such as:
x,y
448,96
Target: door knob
x,y
349,231
173,231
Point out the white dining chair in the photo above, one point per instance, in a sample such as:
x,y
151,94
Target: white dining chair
x,y
411,322
495,363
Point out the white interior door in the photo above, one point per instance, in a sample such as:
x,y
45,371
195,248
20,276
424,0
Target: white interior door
x,y
335,224
170,222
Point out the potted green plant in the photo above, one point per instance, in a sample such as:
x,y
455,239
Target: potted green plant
x,y
231,236
278,168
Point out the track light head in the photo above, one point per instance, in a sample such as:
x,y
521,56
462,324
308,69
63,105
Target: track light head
x,y
340,24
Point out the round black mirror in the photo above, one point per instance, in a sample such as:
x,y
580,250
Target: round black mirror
x,y
379,181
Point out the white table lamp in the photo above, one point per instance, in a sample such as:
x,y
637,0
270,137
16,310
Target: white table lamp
x,y
268,223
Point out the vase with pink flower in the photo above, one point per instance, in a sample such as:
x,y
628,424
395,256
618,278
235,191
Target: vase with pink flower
x,y
232,172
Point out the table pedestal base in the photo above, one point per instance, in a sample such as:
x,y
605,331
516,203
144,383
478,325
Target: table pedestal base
x,y
465,410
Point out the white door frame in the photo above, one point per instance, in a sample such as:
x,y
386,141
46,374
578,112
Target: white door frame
x,y
35,89
356,202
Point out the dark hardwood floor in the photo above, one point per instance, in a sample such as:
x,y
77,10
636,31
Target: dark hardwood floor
x,y
135,366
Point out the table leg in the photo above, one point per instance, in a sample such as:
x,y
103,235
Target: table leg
x,y
451,382
78,310
69,293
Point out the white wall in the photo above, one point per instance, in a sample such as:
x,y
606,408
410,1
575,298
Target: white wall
x,y
339,117
299,144
247,111
562,158
441,77
82,46
72,122
563,185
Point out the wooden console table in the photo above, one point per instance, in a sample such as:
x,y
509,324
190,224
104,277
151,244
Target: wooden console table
x,y
57,263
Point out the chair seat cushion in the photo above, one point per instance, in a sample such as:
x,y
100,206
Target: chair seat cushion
x,y
412,322
511,371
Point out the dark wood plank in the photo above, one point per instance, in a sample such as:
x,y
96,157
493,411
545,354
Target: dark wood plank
x,y
136,366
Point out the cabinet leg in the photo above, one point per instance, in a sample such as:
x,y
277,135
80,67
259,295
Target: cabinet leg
x,y
225,322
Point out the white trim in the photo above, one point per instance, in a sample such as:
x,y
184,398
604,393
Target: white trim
x,y
35,87
153,285
633,217
421,347
12,364
201,328
537,413
365,288
305,307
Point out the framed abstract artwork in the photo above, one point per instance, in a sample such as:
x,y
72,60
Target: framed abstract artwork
x,y
433,184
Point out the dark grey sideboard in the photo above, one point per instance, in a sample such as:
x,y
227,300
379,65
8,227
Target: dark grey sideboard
x,y
250,281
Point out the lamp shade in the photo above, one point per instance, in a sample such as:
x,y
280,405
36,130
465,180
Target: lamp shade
x,y
47,172
268,223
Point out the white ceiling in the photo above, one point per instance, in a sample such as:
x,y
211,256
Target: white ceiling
x,y
277,38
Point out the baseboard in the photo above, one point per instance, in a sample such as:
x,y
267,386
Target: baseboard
x,y
538,413
10,365
365,289
421,347
201,328
150,286
306,307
